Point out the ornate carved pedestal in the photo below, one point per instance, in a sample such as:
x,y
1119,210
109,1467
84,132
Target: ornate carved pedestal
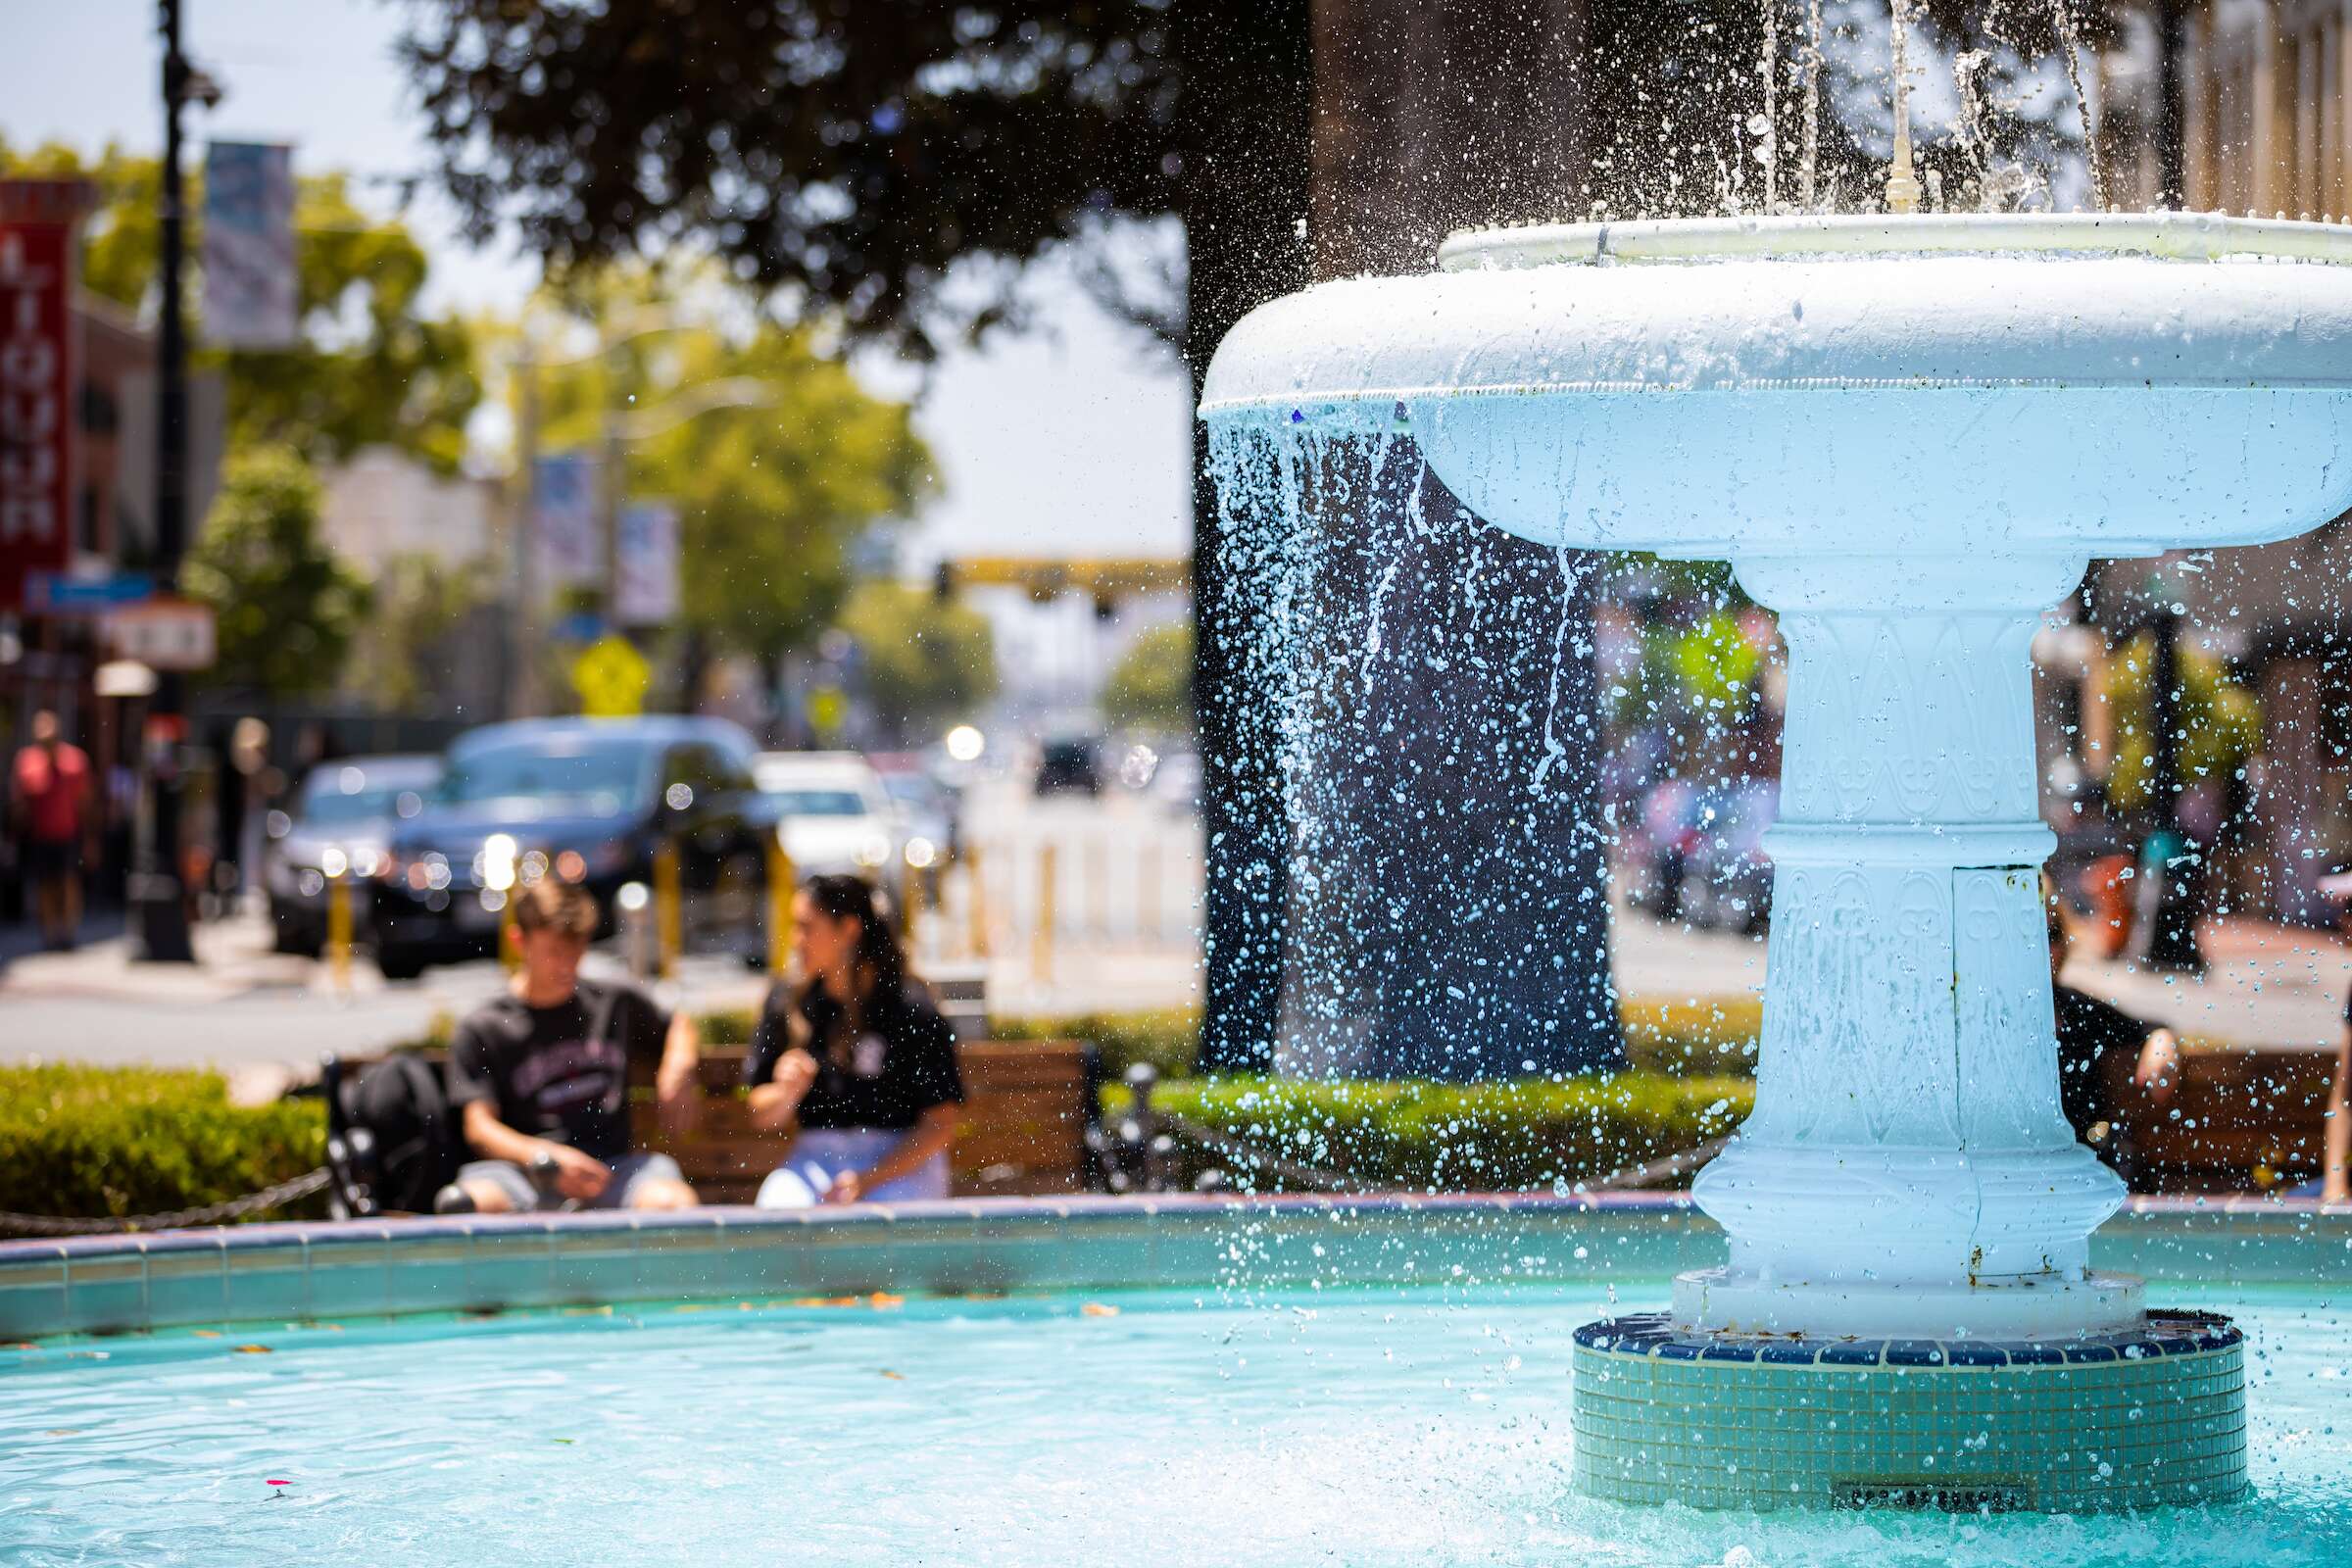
x,y
1907,1169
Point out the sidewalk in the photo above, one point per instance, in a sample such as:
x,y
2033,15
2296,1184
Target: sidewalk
x,y
2264,984
233,959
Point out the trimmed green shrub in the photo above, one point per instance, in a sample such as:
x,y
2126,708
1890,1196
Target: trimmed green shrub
x,y
1697,1035
1434,1137
97,1143
729,1026
1707,1035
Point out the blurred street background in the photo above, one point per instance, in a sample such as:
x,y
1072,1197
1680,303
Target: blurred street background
x,y
392,528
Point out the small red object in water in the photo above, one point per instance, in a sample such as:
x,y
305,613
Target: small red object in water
x,y
277,1483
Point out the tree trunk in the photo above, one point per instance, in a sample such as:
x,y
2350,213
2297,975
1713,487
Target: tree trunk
x,y
1242,136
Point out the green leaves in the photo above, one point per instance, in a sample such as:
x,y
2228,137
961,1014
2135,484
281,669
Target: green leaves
x,y
374,370
773,481
1152,685
95,1142
921,662
1419,1135
286,606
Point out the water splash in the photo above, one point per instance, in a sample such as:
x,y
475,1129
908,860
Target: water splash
x,y
2069,43
1444,911
1812,123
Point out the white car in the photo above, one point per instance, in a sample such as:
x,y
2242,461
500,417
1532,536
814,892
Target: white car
x,y
832,814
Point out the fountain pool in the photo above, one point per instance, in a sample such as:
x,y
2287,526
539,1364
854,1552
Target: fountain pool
x,y
1322,1416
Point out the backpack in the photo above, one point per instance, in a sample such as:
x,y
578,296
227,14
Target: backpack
x,y
392,1139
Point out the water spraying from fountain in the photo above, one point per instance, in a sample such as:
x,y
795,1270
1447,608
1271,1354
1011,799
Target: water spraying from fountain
x,y
1902,179
2070,43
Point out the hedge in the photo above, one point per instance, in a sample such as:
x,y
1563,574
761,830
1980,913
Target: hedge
x,y
108,1142
1699,1034
1530,1133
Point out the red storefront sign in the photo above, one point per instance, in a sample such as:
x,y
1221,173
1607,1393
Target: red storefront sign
x,y
37,378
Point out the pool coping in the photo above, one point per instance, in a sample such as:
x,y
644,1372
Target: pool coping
x,y
294,1272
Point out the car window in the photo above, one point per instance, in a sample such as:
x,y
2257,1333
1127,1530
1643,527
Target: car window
x,y
595,776
695,772
338,796
819,802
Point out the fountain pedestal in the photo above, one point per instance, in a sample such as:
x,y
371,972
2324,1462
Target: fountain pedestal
x,y
1907,1168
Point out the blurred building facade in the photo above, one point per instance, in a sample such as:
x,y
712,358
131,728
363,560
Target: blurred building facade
x,y
2265,92
2268,128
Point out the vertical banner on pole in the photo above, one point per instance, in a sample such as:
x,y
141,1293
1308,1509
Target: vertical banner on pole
x,y
571,544
37,371
252,294
646,561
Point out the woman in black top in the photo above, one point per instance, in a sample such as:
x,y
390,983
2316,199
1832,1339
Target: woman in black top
x,y
854,1061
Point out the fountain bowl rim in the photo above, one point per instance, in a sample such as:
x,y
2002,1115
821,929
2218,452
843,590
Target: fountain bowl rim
x,y
2162,235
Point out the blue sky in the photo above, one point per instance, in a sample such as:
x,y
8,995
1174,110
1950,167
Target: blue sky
x,y
1072,440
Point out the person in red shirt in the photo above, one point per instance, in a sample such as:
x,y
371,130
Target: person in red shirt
x,y
51,787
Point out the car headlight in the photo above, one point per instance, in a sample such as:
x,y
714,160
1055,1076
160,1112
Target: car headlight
x,y
921,851
873,850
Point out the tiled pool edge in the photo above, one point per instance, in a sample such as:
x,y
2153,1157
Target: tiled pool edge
x,y
288,1273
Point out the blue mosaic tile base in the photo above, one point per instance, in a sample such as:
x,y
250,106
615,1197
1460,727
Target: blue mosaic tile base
x,y
2151,1415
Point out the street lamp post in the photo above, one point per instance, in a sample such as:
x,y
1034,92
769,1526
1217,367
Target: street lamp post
x,y
157,896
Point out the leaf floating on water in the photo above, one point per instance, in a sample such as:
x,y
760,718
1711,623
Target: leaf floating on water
x,y
879,1299
894,1376
253,1350
1098,1309
62,1432
566,1441
206,1334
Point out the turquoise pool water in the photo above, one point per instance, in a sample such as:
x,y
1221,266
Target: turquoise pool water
x,y
1417,1427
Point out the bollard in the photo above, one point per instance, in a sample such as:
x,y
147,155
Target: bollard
x,y
668,916
1041,939
633,909
976,911
338,931
910,911
780,889
1150,900
1097,924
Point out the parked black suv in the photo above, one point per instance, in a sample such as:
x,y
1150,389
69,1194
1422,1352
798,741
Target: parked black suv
x,y
585,799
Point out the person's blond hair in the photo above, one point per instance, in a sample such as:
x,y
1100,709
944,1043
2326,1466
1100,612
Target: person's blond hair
x,y
552,905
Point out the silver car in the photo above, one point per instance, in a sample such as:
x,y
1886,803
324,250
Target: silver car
x,y
338,823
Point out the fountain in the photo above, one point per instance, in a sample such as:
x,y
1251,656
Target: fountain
x,y
1908,434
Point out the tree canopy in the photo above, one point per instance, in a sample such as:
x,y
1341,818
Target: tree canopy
x,y
777,460
373,368
920,661
285,607
846,155
1151,684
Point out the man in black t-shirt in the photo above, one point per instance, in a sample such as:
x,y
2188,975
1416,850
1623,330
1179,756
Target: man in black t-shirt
x,y
2091,1034
541,1077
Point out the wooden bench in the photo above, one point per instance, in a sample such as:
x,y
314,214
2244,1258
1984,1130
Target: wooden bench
x,y
1023,1130
2248,1117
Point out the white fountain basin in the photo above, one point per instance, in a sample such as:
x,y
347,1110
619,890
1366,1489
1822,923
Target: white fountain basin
x,y
1823,387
